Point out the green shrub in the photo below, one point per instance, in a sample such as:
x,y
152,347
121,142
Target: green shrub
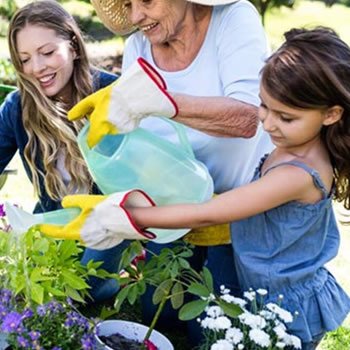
x,y
7,72
8,8
337,340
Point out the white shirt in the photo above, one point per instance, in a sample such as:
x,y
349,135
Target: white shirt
x,y
228,64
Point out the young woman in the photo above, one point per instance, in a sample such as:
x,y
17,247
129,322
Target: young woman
x,y
53,74
283,226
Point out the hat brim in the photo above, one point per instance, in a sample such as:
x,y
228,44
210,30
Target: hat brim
x,y
114,15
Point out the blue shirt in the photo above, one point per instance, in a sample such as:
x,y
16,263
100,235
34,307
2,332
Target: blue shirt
x,y
13,136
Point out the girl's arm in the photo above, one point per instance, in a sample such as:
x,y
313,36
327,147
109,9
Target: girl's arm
x,y
280,185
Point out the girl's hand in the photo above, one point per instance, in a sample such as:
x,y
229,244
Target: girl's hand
x,y
104,221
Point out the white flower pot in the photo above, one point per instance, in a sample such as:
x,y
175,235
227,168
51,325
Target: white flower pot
x,y
131,330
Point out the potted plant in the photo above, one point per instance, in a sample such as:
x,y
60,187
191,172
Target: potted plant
x,y
172,276
40,277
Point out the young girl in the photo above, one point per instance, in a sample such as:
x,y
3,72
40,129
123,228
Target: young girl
x,y
284,229
53,74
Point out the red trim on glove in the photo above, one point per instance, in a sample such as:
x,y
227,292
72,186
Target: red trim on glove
x,y
145,233
158,80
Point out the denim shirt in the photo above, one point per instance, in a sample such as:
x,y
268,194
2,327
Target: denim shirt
x,y
13,137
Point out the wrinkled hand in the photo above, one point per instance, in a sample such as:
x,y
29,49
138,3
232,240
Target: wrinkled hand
x,y
119,107
103,221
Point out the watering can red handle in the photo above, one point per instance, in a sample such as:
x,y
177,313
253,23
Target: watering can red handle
x,y
181,133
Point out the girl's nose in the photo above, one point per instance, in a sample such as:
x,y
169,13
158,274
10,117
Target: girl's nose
x,y
268,122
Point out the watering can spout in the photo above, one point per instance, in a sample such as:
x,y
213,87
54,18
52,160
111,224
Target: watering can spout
x,y
21,221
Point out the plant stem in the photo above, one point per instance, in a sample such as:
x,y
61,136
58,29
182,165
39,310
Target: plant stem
x,y
156,316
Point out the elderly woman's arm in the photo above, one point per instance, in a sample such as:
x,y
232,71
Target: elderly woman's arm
x,y
217,116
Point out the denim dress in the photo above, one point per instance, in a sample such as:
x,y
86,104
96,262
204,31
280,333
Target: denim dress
x,y
284,250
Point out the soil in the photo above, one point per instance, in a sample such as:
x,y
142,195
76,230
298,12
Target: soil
x,y
119,342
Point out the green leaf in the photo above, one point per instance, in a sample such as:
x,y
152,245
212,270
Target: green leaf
x,y
73,294
107,313
73,280
192,309
37,275
133,293
230,309
121,298
162,291
54,291
41,245
177,295
67,249
208,279
184,263
37,293
199,290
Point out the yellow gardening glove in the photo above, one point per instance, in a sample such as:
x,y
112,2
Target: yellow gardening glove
x,y
104,221
209,236
119,107
73,229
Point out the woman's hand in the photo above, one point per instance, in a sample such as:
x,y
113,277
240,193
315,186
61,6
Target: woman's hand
x,y
119,107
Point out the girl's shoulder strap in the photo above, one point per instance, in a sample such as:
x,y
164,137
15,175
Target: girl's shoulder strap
x,y
313,173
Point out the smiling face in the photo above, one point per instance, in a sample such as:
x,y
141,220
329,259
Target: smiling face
x,y
47,58
159,20
291,127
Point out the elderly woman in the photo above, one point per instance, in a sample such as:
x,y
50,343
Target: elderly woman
x,y
210,53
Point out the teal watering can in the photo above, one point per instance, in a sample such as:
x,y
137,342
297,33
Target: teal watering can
x,y
169,173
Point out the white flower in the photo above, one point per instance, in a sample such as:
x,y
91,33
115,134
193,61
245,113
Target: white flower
x,y
259,337
240,347
285,315
261,292
268,315
224,290
280,331
222,344
233,300
250,295
208,322
221,323
280,345
292,340
234,335
253,321
214,311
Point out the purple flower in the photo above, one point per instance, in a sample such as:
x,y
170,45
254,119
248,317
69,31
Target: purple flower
x,y
41,310
3,312
27,313
23,342
56,348
2,211
11,322
5,296
87,342
34,335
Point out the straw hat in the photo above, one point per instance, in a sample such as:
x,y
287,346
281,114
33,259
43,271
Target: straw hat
x,y
114,15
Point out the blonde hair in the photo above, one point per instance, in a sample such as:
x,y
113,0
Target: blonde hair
x,y
45,119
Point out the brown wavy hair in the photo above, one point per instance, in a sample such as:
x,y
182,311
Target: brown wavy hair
x,y
45,119
311,70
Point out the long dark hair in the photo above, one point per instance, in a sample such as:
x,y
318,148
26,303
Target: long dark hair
x,y
311,70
